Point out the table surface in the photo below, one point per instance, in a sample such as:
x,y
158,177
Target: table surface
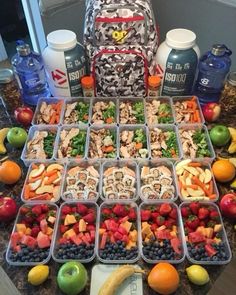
x,y
18,275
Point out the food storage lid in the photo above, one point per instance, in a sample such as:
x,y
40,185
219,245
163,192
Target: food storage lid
x,y
62,40
154,81
6,76
180,39
87,82
232,78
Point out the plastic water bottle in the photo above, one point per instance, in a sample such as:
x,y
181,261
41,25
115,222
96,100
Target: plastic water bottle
x,y
213,67
29,71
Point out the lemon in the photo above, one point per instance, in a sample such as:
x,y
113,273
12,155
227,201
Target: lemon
x,y
197,275
38,274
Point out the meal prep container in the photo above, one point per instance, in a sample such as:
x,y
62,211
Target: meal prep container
x,y
109,204
120,164
18,219
105,99
223,237
206,165
182,99
27,177
58,235
132,100
153,164
32,130
166,127
84,164
196,127
144,206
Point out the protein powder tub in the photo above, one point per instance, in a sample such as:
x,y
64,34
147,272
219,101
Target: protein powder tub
x,y
65,63
178,58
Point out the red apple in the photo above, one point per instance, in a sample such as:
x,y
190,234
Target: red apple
x,y
211,111
24,115
8,209
228,205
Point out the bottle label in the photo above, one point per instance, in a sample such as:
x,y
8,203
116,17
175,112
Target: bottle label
x,y
210,79
180,72
32,82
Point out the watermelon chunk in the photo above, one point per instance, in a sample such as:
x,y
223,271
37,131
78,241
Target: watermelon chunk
x,y
62,240
76,240
31,242
196,237
176,245
44,226
92,235
24,240
163,234
210,250
43,240
103,240
118,236
15,239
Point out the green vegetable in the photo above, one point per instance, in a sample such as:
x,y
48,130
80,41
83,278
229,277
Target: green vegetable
x,y
199,138
172,147
140,136
82,111
110,111
165,109
111,155
48,144
138,110
78,144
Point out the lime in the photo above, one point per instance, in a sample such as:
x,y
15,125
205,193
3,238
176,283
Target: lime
x,y
38,274
197,275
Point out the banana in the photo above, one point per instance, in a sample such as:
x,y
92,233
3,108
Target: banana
x,y
232,132
3,134
232,147
116,278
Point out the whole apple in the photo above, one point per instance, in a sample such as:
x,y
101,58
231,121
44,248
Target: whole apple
x,y
228,205
24,115
211,111
72,277
17,136
220,135
8,209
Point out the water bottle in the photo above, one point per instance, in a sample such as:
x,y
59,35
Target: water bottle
x,y
29,71
213,67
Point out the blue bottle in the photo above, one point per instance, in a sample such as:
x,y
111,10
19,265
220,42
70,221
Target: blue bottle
x,y
213,67
29,70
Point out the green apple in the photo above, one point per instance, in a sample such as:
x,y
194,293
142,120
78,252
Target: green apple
x,y
72,277
16,136
220,135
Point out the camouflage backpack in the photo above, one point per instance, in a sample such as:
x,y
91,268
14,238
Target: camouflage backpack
x,y
121,42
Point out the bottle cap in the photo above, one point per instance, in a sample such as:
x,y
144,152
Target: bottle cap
x,y
23,49
62,40
6,76
218,49
180,39
87,82
154,81
232,78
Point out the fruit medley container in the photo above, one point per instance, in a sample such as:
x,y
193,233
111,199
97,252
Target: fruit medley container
x,y
138,113
32,235
160,147
32,134
75,237
119,180
157,180
44,115
186,149
82,181
205,237
106,115
160,232
117,233
196,181
43,182
181,99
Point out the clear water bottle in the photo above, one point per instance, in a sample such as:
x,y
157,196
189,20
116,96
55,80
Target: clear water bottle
x,y
29,70
213,67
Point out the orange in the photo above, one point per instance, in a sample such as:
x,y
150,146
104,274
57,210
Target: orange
x,y
10,172
223,170
163,278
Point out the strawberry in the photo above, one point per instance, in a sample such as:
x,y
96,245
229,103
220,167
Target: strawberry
x,y
203,213
41,217
168,223
119,210
106,212
89,218
82,209
66,210
44,208
103,225
202,223
63,228
185,211
173,213
145,215
132,214
34,231
160,220
214,215
37,210
73,210
154,215
28,219
24,210
165,209
194,206
192,222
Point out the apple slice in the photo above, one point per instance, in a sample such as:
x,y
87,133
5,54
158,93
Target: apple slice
x,y
56,181
202,177
37,172
45,180
34,185
184,193
208,176
195,193
45,189
182,164
56,191
54,167
180,171
191,170
188,180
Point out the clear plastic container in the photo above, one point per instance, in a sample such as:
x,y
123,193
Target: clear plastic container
x,y
69,101
198,127
223,237
36,177
120,164
84,164
164,128
50,128
18,219
132,101
106,100
99,127
48,101
110,204
182,99
180,233
58,235
153,164
133,128
59,141
162,99
205,165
